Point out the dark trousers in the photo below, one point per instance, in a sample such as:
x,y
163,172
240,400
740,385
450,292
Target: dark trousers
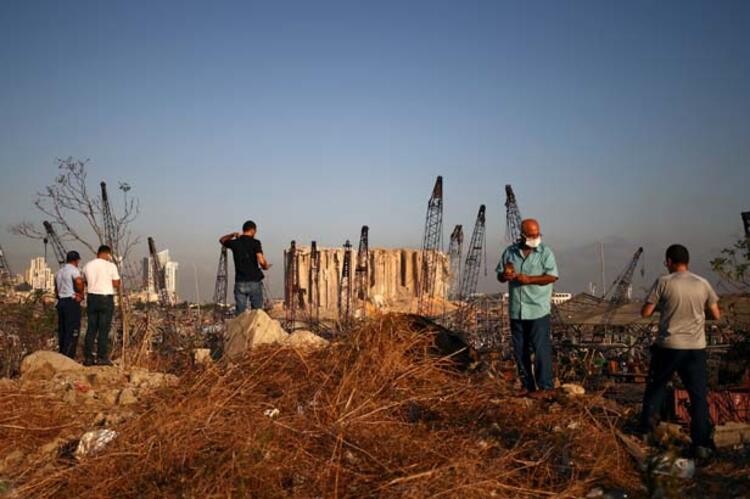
x,y
530,336
691,366
68,325
99,314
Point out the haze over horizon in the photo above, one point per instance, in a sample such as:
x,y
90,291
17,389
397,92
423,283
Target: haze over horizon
x,y
625,123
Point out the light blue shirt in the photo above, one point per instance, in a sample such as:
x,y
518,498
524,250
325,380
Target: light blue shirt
x,y
64,279
529,301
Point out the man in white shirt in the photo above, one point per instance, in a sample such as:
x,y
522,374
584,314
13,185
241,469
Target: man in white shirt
x,y
69,291
102,279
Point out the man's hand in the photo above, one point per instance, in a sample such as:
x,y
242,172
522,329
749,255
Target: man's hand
x,y
523,279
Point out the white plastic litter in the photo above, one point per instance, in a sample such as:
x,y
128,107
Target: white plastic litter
x,y
271,413
94,441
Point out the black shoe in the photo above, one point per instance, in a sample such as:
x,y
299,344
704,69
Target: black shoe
x,y
88,361
702,455
104,362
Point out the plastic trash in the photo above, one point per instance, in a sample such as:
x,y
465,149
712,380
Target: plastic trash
x,y
94,441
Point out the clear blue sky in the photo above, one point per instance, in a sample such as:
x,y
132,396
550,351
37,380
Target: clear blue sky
x,y
620,121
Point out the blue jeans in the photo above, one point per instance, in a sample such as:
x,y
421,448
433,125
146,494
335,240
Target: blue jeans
x,y
248,291
533,336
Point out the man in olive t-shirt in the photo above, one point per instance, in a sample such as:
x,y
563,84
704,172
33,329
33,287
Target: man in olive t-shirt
x,y
682,299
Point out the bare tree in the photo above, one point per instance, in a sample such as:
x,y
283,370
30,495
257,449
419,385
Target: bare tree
x,y
77,212
733,266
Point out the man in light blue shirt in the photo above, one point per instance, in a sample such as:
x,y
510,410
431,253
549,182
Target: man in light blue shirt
x,y
529,268
69,291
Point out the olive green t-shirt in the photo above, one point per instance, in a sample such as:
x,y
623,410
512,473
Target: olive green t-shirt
x,y
682,298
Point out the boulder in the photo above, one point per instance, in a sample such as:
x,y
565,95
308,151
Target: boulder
x,y
45,364
202,356
127,397
306,340
250,329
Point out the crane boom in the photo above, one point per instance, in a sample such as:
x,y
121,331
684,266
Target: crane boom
x,y
57,245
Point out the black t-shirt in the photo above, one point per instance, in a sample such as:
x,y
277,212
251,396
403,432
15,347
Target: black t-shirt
x,y
245,250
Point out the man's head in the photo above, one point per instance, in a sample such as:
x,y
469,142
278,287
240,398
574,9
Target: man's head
x,y
73,258
249,228
104,252
530,234
677,258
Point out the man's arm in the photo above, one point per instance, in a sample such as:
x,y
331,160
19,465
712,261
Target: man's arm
x,y
115,277
78,284
539,280
502,275
262,261
223,240
713,311
549,276
648,310
652,299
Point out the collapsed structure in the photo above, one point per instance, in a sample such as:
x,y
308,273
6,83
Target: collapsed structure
x,y
393,279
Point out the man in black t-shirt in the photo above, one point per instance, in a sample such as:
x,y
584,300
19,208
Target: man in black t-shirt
x,y
248,262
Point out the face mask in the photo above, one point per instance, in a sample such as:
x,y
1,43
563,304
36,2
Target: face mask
x,y
533,243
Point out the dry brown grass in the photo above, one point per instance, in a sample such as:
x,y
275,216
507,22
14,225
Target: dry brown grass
x,y
376,414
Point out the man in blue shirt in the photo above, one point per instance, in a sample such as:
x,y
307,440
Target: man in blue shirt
x,y
529,268
69,291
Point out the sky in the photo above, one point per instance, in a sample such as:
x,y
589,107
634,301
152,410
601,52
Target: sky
x,y
621,122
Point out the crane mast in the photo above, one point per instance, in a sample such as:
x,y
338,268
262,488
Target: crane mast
x,y
431,246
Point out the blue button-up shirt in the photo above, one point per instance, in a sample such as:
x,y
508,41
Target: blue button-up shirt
x,y
529,301
65,278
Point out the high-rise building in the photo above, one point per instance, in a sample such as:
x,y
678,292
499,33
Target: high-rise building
x,y
170,276
39,276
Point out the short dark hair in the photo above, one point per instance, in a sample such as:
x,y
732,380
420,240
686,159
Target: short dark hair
x,y
72,256
678,254
249,225
104,249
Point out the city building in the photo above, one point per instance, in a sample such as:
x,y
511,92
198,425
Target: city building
x,y
170,276
39,276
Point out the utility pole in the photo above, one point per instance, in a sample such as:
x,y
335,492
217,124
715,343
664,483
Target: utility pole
x,y
603,277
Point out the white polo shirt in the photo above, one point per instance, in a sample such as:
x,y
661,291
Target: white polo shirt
x,y
99,274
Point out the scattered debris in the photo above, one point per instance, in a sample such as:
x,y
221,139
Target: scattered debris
x,y
305,339
271,413
93,442
573,389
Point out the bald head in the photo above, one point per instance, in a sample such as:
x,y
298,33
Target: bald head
x,y
530,228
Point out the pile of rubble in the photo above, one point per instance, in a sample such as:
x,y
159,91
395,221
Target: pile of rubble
x,y
375,412
382,410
